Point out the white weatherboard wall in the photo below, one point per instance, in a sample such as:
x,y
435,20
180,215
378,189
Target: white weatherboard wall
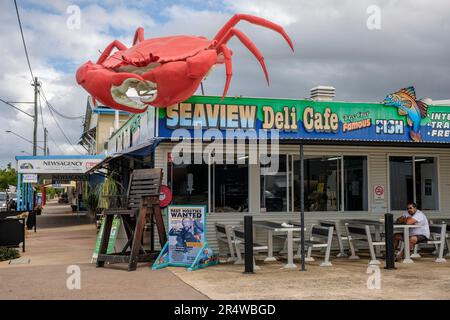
x,y
378,164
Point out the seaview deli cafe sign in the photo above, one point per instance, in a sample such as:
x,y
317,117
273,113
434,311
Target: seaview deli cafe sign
x,y
58,166
301,119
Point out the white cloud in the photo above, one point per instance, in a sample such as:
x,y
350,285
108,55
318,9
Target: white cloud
x,y
333,46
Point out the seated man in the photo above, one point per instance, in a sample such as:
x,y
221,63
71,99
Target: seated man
x,y
416,235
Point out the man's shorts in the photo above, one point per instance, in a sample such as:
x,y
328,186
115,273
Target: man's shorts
x,y
420,237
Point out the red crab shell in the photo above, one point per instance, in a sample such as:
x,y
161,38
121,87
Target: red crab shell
x,y
160,50
167,70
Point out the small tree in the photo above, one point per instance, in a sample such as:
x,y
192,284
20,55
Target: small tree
x,y
8,176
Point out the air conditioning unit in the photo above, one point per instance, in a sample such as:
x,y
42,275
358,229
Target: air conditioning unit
x,y
323,93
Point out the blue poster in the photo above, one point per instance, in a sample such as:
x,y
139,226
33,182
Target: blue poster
x,y
186,245
186,233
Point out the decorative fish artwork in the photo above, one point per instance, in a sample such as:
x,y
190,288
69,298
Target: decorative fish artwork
x,y
406,102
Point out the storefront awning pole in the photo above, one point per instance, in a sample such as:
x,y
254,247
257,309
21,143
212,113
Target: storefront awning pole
x,y
302,208
19,192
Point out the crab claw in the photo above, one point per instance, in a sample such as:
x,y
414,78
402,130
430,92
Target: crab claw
x,y
110,88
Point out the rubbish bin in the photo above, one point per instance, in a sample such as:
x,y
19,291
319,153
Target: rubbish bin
x,y
31,220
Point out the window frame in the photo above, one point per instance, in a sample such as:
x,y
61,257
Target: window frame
x,y
413,157
341,155
289,199
290,176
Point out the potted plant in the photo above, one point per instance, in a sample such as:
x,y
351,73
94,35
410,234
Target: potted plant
x,y
110,192
8,254
92,202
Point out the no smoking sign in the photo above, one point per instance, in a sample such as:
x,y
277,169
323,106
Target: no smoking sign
x,y
378,192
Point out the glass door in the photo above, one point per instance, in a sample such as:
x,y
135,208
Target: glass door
x,y
230,187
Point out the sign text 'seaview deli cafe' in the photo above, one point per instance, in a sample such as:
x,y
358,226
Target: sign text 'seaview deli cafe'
x,y
361,159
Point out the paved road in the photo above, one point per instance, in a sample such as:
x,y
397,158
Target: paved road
x,y
59,216
50,282
63,239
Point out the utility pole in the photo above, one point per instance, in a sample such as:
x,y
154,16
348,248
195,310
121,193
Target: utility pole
x,y
45,142
36,92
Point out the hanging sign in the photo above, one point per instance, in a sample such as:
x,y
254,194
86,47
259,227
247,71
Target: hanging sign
x,y
30,178
187,245
165,196
57,164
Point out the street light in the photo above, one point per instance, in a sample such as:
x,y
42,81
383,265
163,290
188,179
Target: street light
x,y
23,138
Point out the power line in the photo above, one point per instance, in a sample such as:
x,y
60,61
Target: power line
x,y
13,106
57,123
23,40
57,145
41,92
29,64
42,116
63,116
59,113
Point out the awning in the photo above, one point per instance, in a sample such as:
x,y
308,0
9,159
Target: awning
x,y
141,150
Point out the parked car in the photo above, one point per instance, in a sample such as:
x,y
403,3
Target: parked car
x,y
12,203
3,201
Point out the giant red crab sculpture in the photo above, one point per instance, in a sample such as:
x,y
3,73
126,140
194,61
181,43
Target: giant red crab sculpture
x,y
164,71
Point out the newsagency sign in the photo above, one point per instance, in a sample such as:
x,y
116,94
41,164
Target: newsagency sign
x,y
56,166
305,119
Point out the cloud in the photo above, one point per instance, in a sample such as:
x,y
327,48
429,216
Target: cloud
x,y
333,47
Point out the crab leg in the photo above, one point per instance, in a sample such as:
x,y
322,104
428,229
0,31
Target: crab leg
x,y
105,54
255,20
249,44
228,66
138,36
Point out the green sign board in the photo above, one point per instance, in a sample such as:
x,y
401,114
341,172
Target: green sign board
x,y
112,238
401,119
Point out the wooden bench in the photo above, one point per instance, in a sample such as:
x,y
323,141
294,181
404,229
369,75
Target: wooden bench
x,y
336,234
447,236
438,234
224,235
238,239
361,232
320,237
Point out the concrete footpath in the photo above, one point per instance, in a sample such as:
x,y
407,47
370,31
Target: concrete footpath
x,y
64,239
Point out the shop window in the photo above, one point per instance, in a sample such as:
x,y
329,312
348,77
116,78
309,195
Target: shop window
x,y
401,182
322,183
230,184
355,183
426,183
324,178
188,182
413,179
274,187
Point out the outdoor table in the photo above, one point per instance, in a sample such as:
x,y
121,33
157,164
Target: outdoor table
x,y
378,225
406,227
273,227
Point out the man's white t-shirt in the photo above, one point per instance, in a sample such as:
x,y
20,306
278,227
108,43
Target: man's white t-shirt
x,y
422,221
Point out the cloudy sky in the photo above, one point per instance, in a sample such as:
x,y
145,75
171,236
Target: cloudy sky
x,y
333,46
